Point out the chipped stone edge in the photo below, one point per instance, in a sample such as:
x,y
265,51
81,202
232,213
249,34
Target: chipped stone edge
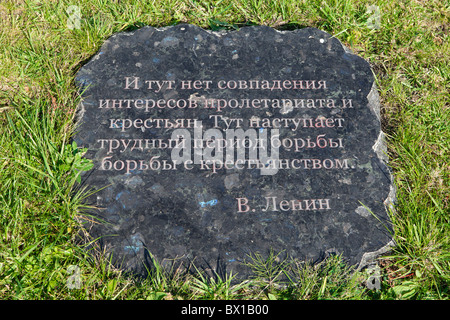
x,y
369,258
380,148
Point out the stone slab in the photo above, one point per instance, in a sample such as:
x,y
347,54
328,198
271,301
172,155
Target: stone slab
x,y
210,146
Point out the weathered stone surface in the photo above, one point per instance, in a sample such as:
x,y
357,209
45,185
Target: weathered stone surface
x,y
315,183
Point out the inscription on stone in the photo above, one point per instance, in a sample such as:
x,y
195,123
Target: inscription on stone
x,y
210,146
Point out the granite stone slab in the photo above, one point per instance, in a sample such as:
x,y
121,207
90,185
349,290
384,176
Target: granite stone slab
x,y
210,146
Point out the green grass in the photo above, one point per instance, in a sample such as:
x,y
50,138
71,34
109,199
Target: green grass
x,y
40,257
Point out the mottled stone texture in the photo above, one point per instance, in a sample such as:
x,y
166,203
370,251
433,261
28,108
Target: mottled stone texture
x,y
327,194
